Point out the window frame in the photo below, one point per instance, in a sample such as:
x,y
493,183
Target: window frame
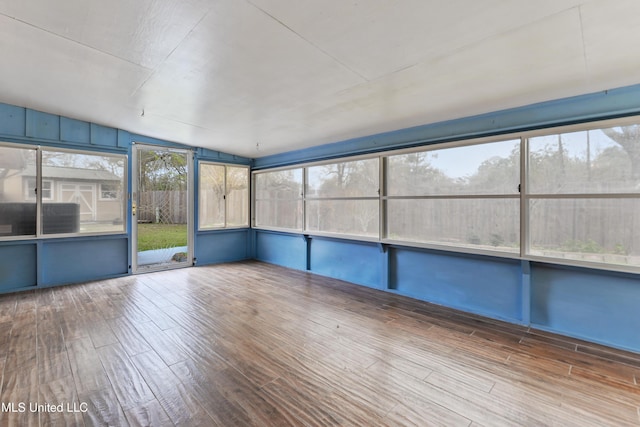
x,y
526,253
307,198
385,198
246,214
300,198
39,200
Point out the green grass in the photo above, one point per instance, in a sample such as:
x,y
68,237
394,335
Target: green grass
x,y
159,236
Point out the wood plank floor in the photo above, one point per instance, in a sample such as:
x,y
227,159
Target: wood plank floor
x,y
255,344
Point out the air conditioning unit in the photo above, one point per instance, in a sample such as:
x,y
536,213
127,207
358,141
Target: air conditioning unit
x,y
19,219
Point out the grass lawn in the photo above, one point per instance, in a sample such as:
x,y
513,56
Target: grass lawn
x,y
160,236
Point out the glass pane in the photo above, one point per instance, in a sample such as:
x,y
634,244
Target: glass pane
x,y
18,192
491,168
163,207
279,199
279,214
83,193
599,230
347,179
596,161
354,217
211,195
237,196
279,185
494,224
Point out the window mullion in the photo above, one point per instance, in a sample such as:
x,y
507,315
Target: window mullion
x,y
39,208
524,200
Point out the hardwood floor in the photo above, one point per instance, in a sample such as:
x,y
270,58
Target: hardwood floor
x,y
255,344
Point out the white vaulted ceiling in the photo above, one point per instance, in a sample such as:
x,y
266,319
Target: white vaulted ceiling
x,y
289,74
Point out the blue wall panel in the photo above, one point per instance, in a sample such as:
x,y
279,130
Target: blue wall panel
x,y
12,120
483,285
104,136
221,246
592,305
17,266
289,250
82,259
353,261
74,131
43,125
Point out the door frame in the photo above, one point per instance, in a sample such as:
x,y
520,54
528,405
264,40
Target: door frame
x,y
135,149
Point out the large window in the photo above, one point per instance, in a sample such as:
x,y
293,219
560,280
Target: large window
x,y
343,198
463,196
68,185
570,196
583,195
223,196
278,199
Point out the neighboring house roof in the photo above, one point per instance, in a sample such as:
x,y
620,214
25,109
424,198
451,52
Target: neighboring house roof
x,y
58,172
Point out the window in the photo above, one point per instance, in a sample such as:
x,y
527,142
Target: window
x,y
30,189
464,196
76,207
343,198
223,196
109,191
278,199
583,195
571,196
70,182
17,191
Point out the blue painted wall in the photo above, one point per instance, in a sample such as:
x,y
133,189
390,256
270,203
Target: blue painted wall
x,y
289,250
222,246
18,267
356,262
81,259
592,305
479,284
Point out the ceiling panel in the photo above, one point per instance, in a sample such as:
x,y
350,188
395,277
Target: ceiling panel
x,y
44,71
612,40
144,32
285,74
386,36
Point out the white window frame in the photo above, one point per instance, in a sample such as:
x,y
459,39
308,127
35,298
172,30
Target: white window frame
x,y
307,198
225,225
254,199
444,246
55,189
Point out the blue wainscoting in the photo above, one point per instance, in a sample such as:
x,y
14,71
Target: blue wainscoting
x,y
288,250
484,285
18,265
594,305
222,246
350,260
80,259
